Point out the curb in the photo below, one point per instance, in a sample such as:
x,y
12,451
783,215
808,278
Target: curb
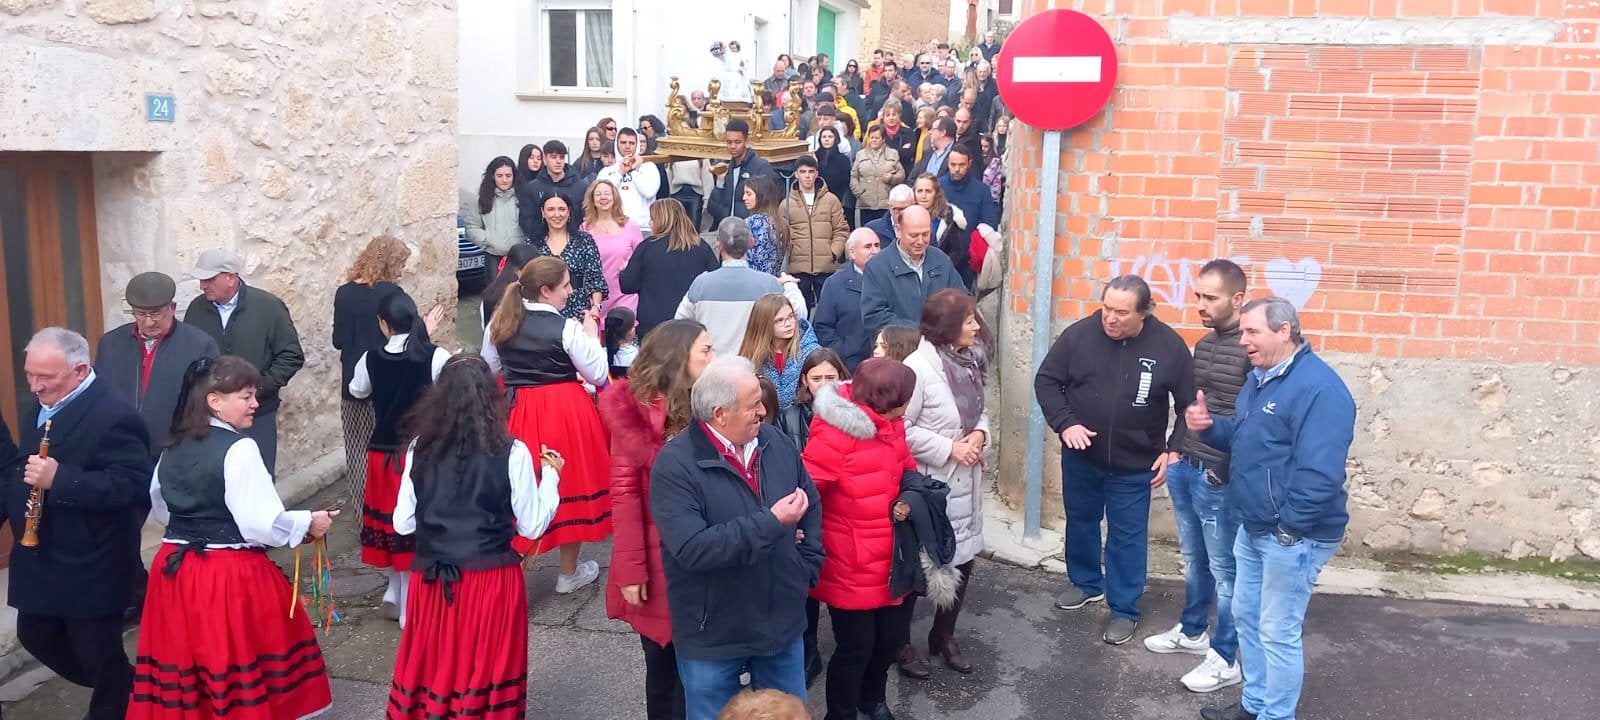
x,y
1344,575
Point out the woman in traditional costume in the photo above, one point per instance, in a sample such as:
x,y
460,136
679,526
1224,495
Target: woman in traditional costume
x,y
219,638
467,488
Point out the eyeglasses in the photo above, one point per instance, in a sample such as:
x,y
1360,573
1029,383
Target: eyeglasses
x,y
149,314
785,320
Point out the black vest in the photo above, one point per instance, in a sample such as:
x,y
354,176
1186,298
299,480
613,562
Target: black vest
x,y
535,356
196,491
464,515
397,383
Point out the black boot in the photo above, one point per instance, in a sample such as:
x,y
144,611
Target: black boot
x,y
878,712
813,666
1235,711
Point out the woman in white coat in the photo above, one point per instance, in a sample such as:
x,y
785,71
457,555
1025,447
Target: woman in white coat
x,y
947,428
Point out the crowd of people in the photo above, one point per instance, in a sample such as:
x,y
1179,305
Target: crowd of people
x,y
790,417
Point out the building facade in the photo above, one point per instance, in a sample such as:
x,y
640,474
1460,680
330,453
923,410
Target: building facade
x,y
1419,178
904,26
550,69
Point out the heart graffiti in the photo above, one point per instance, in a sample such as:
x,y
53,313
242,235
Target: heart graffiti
x,y
1295,282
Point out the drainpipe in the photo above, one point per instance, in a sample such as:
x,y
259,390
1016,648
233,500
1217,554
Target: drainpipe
x,y
1044,272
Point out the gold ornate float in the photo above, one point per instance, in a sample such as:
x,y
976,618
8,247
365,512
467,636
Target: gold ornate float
x,y
683,142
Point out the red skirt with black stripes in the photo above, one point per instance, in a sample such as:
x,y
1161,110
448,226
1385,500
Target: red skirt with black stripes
x,y
216,641
563,417
465,654
381,546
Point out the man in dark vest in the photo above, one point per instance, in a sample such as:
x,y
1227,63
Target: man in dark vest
x,y
143,362
79,578
255,325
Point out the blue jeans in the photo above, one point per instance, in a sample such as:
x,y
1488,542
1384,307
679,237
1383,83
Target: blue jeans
x,y
1207,527
710,684
1269,606
1090,493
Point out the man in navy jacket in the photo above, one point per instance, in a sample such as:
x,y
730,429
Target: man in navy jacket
x,y
73,588
1289,439
896,283
838,316
741,542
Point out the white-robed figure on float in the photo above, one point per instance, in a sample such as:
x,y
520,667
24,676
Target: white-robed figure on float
x,y
217,638
735,72
468,486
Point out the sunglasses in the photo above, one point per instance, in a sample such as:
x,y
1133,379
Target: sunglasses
x,y
609,128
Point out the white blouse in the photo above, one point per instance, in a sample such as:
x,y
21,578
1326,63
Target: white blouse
x,y
361,381
251,498
532,501
587,354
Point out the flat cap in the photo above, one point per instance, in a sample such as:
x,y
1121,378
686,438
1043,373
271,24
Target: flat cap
x,y
151,290
215,262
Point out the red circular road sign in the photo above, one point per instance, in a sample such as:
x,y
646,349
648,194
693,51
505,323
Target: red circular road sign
x,y
1057,69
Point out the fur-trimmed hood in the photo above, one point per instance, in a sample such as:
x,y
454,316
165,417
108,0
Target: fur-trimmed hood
x,y
641,425
834,406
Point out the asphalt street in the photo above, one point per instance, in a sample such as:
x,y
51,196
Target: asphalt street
x,y
1366,657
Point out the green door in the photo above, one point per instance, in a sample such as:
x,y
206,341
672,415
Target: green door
x,y
826,20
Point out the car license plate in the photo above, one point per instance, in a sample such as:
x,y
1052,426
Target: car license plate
x,y
470,263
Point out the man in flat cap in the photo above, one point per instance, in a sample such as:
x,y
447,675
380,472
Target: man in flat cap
x,y
143,362
255,325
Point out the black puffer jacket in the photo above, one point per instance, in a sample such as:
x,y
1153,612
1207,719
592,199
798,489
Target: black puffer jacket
x,y
1220,369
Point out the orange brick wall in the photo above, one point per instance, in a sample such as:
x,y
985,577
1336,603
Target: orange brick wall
x,y
1417,202
1431,209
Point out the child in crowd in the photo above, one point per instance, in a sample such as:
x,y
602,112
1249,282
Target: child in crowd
x,y
621,338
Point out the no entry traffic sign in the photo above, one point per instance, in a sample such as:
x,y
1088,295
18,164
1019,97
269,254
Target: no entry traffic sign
x,y
1057,69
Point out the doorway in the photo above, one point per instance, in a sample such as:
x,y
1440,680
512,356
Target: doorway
x,y
49,265
827,26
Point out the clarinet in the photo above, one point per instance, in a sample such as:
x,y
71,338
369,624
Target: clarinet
x,y
30,529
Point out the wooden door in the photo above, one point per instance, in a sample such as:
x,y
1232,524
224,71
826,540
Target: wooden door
x,y
49,265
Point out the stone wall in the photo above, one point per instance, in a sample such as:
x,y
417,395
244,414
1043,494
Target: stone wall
x,y
902,26
1419,178
304,127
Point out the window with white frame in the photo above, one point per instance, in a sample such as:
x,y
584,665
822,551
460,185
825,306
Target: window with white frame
x,y
577,49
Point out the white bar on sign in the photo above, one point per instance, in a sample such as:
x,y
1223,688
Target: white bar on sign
x,y
1079,69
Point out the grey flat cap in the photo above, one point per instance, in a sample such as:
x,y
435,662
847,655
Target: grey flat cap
x,y
151,290
215,262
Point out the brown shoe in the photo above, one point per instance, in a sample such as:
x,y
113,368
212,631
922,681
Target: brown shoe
x,y
951,652
912,664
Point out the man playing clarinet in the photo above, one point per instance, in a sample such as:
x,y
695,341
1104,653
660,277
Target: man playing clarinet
x,y
71,588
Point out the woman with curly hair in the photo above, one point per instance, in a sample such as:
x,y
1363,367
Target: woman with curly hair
x,y
615,236
468,488
356,332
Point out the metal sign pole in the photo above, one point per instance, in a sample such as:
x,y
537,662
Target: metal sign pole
x,y
1044,272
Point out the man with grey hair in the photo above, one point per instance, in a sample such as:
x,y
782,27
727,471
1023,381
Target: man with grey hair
x,y
838,320
741,542
888,226
898,282
721,299
97,476
1105,388
1295,419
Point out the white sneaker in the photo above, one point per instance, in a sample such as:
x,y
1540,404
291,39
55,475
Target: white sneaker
x,y
588,572
1174,641
1214,673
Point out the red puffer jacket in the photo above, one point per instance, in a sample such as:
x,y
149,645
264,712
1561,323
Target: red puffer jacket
x,y
636,547
856,459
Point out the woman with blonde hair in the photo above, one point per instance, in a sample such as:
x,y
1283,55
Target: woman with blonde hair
x,y
662,268
542,355
615,236
355,332
777,342
925,118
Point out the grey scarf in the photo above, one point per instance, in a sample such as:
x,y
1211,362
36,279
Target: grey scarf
x,y
967,370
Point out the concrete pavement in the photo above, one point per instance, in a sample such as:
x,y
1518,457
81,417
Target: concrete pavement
x,y
1368,657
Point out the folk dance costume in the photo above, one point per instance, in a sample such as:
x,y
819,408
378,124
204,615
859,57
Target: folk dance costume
x,y
217,640
550,408
394,379
464,649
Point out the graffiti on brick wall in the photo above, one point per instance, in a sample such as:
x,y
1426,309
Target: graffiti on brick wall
x,y
1172,279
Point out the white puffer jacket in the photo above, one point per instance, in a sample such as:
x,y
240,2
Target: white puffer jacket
x,y
933,425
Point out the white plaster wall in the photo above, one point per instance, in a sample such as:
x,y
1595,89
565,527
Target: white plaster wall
x,y
655,40
303,129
